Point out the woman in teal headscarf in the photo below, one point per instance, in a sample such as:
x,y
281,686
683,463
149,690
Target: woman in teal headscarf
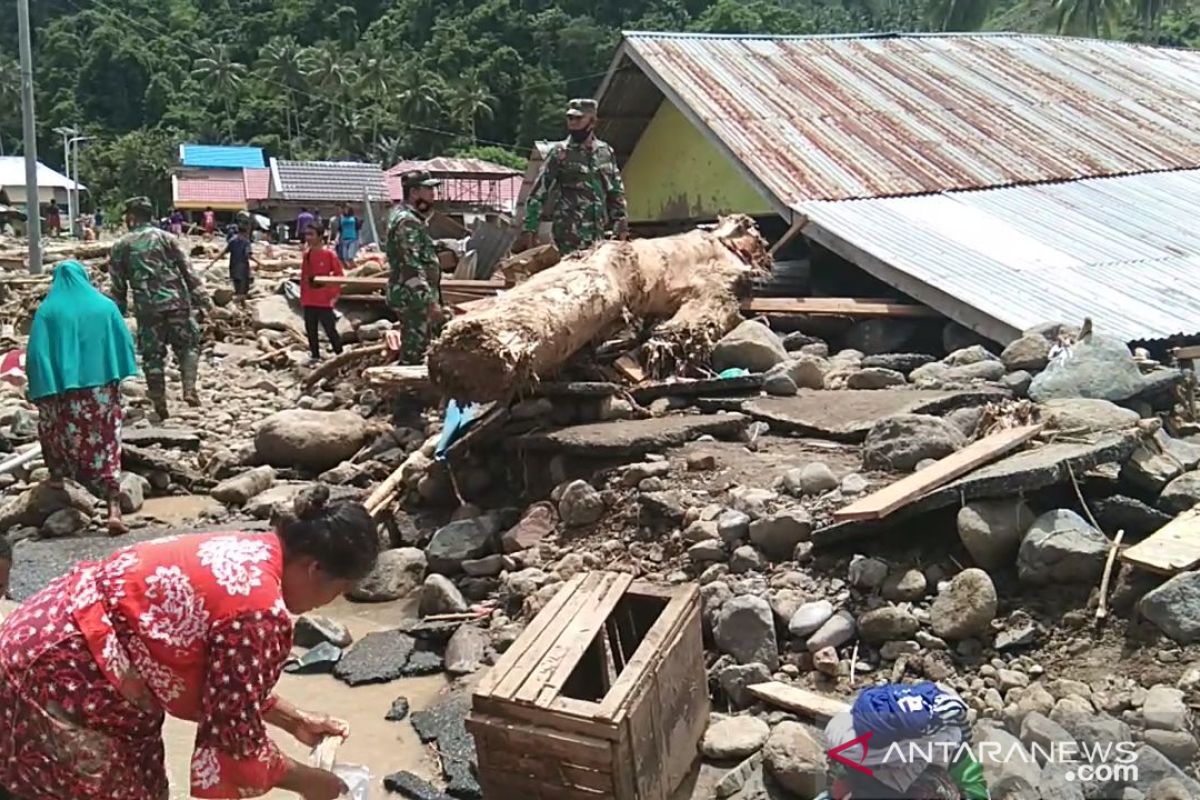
x,y
79,350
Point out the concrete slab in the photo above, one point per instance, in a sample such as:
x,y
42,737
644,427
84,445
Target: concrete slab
x,y
631,437
175,438
647,392
847,415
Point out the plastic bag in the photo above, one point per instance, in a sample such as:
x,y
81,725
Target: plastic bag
x,y
357,779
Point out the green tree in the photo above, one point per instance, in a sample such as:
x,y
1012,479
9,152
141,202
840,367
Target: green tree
x,y
223,75
469,102
1089,17
959,15
280,60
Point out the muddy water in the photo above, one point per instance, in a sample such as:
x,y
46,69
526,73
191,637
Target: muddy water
x,y
177,511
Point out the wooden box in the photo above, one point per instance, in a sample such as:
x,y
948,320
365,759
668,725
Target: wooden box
x,y
603,696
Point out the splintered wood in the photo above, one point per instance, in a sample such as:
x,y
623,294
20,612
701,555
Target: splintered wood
x,y
603,696
1175,547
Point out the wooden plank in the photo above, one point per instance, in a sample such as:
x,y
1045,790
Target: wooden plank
x,y
567,715
373,282
1186,353
514,736
566,640
553,772
835,306
793,698
515,654
646,739
647,654
628,366
507,785
539,667
584,630
683,697
1173,548
879,504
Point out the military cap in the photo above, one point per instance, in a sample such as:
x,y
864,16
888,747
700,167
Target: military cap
x,y
418,178
140,203
581,106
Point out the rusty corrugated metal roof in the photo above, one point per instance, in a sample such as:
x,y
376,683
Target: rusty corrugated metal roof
x,y
823,118
455,167
1124,251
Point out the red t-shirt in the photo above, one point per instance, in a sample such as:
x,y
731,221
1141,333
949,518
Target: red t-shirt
x,y
317,263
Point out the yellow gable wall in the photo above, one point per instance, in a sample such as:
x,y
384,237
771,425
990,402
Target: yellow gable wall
x,y
674,173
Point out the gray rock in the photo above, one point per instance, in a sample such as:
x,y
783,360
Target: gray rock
x,y
486,567
460,541
319,660
854,484
1101,368
907,586
751,501
817,478
887,624
708,552
883,335
899,443
809,618
312,440
465,650
310,631
966,607
1017,382
735,679
376,658
439,595
580,505
967,356
992,530
412,787
979,371
397,573
733,526
538,522
795,758
133,492
65,522
238,490
867,574
1039,731
751,345
1166,789
1061,547
1165,708
836,631
746,559
1121,513
745,629
398,711
736,779
1153,767
1082,415
1054,331
796,340
966,420
423,662
1059,783
778,534
1181,493
875,378
890,651
1179,746
808,371
734,737
1004,758
636,473
1153,465
899,362
779,384
1030,352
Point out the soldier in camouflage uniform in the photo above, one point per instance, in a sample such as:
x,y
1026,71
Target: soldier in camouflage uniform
x,y
414,289
580,182
151,263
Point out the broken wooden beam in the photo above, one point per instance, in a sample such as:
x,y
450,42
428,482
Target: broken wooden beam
x,y
835,306
412,378
1173,548
883,502
792,698
379,282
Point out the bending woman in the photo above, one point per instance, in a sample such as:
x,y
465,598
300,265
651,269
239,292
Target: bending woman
x,y
79,351
193,626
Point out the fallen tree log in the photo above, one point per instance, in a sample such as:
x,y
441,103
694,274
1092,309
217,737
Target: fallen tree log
x,y
694,279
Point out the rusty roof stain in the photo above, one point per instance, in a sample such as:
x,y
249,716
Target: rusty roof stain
x,y
832,118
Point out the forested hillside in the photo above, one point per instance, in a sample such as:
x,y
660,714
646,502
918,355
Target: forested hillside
x,y
386,79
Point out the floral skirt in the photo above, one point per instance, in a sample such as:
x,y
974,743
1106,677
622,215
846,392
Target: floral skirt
x,y
80,432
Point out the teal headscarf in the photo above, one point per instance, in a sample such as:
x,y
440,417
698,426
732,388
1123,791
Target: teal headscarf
x,y
78,340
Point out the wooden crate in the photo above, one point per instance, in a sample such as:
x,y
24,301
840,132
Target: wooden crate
x,y
603,696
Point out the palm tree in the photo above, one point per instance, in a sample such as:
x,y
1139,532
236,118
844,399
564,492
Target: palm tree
x,y
959,15
220,72
325,69
374,81
280,60
10,89
1088,17
419,96
471,101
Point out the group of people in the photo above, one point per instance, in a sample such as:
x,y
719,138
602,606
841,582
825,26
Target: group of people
x,y
91,224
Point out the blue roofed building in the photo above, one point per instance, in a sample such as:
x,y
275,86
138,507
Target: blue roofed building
x,y
216,156
220,177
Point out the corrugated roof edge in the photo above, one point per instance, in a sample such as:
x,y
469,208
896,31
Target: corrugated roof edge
x,y
879,35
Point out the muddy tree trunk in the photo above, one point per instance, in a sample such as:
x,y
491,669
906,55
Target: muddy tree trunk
x,y
694,279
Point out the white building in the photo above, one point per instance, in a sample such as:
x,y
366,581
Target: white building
x,y
51,184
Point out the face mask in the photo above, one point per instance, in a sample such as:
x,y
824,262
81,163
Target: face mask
x,y
422,205
581,136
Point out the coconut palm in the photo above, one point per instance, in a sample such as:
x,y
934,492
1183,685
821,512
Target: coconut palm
x,y
419,95
469,102
329,73
280,60
217,71
1089,17
959,15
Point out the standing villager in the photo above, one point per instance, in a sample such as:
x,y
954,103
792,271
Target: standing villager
x,y
414,275
79,351
318,301
53,219
580,181
166,294
303,220
177,220
241,253
192,626
347,226
209,221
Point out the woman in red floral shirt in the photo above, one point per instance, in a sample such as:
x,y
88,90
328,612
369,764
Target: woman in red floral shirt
x,y
193,626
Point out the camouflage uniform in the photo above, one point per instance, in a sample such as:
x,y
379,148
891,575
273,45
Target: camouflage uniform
x,y
151,264
583,187
414,275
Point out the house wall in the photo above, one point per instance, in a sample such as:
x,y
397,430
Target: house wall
x,y
674,173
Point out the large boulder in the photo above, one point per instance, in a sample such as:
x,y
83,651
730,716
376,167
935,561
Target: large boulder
x,y
1061,547
887,624
807,372
396,573
899,443
1084,415
992,530
745,629
734,738
751,346
1174,607
1101,367
580,504
1030,352
312,440
795,758
33,507
1181,493
778,534
966,607
1155,464
275,313
461,540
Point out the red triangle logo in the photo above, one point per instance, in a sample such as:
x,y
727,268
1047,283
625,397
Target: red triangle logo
x,y
836,753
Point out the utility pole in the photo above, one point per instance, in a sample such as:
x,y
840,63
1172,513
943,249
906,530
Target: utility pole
x,y
67,133
75,230
33,211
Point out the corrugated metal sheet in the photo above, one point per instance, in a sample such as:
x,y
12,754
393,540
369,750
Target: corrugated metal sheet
x,y
823,118
330,181
201,192
258,183
536,157
12,173
206,156
1124,251
460,167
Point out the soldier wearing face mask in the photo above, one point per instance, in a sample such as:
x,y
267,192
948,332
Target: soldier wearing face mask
x,y
414,275
580,185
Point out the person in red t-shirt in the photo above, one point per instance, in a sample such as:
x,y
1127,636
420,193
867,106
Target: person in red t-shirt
x,y
318,301
210,222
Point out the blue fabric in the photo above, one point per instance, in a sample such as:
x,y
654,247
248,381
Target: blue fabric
x,y
895,712
349,228
78,339
454,425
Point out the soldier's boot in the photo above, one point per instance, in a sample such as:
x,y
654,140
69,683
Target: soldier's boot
x,y
189,367
156,389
